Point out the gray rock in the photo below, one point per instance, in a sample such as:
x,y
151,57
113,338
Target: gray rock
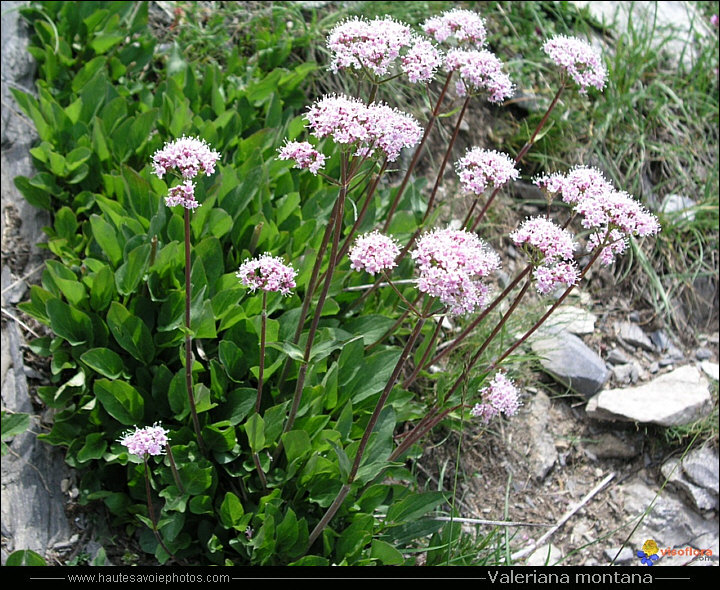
x,y
617,357
625,555
672,399
569,360
569,318
626,373
668,521
678,207
712,370
660,340
611,446
540,452
699,497
701,467
544,555
633,335
703,354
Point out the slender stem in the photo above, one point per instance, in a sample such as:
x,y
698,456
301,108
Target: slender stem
x,y
151,510
391,330
176,475
321,300
399,294
554,306
488,340
418,151
261,369
419,431
259,469
438,180
470,327
310,291
468,217
329,514
425,355
188,337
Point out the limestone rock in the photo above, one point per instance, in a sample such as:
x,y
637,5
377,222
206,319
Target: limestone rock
x,y
570,318
569,360
633,335
700,498
672,399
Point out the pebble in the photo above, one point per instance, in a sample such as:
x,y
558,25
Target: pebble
x,y
703,354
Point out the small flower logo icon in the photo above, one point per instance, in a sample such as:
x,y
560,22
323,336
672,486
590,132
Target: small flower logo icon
x,y
649,552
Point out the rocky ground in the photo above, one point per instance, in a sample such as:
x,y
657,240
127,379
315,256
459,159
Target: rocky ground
x,y
580,465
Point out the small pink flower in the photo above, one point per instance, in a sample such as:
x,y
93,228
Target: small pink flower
x,y
451,266
182,194
189,155
480,168
304,154
501,396
267,273
463,26
373,45
553,274
150,440
714,20
374,252
479,70
546,238
579,59
421,61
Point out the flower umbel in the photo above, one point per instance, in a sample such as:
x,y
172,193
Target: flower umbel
x,y
267,273
501,396
451,265
579,59
479,70
462,26
150,440
304,154
189,155
480,168
374,252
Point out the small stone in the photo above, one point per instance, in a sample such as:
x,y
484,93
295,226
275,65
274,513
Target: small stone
x,y
703,354
654,367
625,555
623,373
673,471
610,446
701,467
634,316
570,318
633,334
660,340
544,555
679,204
617,357
712,370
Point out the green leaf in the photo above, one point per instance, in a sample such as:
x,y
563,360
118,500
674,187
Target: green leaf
x,y
370,327
94,447
105,361
36,196
233,360
238,405
120,400
131,272
201,505
296,444
255,430
102,289
106,237
231,511
354,537
14,424
386,553
220,436
414,506
25,557
69,323
195,479
131,333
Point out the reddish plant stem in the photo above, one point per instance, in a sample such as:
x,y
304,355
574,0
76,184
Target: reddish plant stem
x,y
261,368
335,506
521,154
418,151
188,338
425,355
176,475
420,431
470,327
321,301
151,511
259,469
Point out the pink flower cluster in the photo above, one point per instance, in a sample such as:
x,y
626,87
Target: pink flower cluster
x,y
182,194
480,168
579,59
373,252
714,20
150,440
304,154
267,273
615,215
479,70
190,156
452,265
463,26
376,46
350,121
501,396
551,250
545,237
